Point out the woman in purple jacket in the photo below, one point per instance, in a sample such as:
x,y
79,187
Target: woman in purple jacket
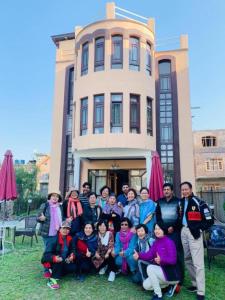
x,y
162,270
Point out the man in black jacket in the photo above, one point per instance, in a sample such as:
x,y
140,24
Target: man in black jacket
x,y
196,217
168,217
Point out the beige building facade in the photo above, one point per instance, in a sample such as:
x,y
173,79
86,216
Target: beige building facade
x,y
116,100
209,156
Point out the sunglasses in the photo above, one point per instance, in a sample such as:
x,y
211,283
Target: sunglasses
x,y
124,224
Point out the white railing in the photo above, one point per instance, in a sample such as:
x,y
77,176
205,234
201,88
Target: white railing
x,y
120,12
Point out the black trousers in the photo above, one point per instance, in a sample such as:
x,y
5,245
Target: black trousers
x,y
84,265
110,262
61,269
175,236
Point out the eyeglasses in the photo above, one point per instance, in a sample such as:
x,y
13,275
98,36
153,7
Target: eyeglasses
x,y
124,224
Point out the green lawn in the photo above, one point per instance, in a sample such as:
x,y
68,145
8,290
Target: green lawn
x,y
21,279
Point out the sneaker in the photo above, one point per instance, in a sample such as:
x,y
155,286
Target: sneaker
x,y
156,297
47,274
178,288
171,290
200,297
52,283
112,276
192,289
102,270
118,272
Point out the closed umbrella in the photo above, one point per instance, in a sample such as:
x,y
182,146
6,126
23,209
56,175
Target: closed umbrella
x,y
7,179
156,179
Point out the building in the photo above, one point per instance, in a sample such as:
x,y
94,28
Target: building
x,y
116,100
209,155
43,167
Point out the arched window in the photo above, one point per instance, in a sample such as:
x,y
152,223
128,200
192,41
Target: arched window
x,y
84,59
99,53
148,59
134,55
117,52
208,141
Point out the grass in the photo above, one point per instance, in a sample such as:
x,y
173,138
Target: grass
x,y
21,279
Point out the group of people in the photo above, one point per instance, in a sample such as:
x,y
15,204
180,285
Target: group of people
x,y
129,234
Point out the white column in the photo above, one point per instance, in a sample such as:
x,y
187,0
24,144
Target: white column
x,y
76,172
148,161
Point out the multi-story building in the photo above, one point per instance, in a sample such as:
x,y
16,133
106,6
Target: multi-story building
x,y
209,156
43,167
116,100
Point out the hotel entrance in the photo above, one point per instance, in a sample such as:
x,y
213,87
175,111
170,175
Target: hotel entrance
x,y
116,178
136,178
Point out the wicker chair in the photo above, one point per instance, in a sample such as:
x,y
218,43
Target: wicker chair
x,y
29,229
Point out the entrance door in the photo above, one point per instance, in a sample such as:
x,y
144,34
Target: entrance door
x,y
116,178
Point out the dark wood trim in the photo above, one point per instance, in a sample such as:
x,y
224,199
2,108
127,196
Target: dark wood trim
x,y
176,147
62,177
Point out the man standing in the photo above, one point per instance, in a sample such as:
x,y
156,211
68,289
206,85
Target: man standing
x,y
122,198
168,218
196,217
84,196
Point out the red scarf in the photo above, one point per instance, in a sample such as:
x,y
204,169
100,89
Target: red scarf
x,y
74,208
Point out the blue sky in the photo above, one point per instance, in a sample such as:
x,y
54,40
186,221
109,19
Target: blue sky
x,y
27,56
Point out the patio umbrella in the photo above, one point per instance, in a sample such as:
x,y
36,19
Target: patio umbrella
x,y
7,179
156,179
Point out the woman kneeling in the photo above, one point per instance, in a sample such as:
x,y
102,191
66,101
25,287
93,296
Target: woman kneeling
x,y
162,270
103,258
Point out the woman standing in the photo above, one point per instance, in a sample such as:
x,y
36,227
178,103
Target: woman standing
x,y
112,212
86,246
147,209
104,196
72,210
50,218
103,258
162,269
131,210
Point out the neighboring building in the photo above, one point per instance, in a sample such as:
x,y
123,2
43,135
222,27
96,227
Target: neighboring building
x,y
43,167
209,156
116,100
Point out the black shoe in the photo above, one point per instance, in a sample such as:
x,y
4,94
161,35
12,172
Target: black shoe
x,y
192,289
200,297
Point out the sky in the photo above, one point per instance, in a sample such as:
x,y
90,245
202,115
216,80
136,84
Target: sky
x,y
27,60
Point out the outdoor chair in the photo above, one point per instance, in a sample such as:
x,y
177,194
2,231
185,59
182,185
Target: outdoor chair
x,y
212,250
28,230
2,241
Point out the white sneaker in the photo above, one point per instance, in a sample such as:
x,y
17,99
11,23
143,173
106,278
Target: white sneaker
x,y
102,270
112,276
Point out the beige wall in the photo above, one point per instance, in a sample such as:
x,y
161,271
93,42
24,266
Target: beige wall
x,y
64,58
114,81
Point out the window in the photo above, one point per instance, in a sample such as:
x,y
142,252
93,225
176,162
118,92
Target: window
x,y
149,116
214,164
209,141
99,53
70,92
134,113
97,179
84,59
134,55
164,67
84,116
99,114
117,52
148,59
116,113
138,179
